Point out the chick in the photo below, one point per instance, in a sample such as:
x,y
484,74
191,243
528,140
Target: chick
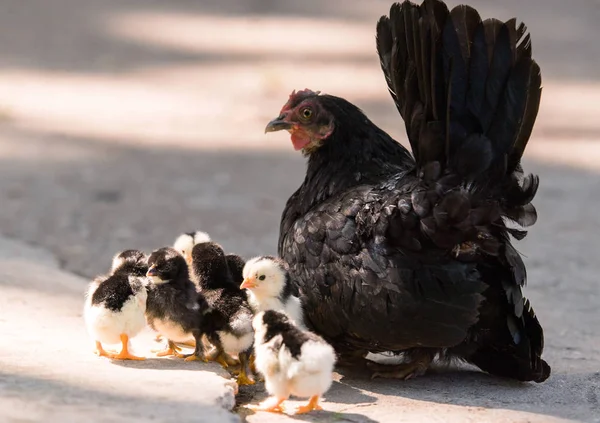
x,y
175,309
293,361
236,267
270,288
115,304
230,328
185,242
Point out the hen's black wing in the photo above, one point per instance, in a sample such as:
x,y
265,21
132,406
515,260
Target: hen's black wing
x,y
362,290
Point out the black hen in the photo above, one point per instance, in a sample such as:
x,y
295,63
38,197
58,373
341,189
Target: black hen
x,y
411,254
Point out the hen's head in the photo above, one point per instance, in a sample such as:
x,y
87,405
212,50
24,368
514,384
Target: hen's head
x,y
306,118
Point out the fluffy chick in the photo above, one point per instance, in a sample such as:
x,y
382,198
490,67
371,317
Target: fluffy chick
x,y
236,268
293,361
270,288
175,309
185,242
230,328
115,304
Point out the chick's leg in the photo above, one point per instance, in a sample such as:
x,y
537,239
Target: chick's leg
x,y
272,404
220,356
171,349
188,343
125,354
198,354
101,352
243,378
418,362
313,404
252,365
230,360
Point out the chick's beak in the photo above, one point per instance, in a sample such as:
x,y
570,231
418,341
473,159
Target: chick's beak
x,y
151,271
278,124
248,283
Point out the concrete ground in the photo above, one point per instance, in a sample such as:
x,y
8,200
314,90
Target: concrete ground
x,y
125,122
48,372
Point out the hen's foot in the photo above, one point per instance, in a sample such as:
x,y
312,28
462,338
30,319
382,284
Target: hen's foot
x,y
417,366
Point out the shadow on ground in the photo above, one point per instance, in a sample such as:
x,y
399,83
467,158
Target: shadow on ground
x,y
69,401
85,198
105,197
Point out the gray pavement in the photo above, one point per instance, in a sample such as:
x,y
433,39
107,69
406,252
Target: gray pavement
x,y
48,371
125,122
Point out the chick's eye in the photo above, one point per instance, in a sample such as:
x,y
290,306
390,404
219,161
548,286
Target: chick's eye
x,y
261,278
306,113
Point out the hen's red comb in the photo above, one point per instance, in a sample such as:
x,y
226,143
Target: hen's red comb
x,y
297,96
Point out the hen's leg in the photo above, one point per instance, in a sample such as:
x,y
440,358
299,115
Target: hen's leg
x,y
418,362
352,358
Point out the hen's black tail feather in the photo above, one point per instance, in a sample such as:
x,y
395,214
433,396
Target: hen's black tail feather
x,y
519,359
469,93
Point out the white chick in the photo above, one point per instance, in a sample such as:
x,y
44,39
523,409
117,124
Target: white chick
x,y
115,305
270,288
293,361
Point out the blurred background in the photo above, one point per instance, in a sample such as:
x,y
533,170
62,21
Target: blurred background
x,y
126,122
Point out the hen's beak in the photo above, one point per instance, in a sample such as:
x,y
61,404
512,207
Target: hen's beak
x,y
152,271
248,283
278,124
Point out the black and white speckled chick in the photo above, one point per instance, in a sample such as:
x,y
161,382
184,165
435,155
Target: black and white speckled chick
x,y
293,361
270,288
115,304
175,308
185,243
230,327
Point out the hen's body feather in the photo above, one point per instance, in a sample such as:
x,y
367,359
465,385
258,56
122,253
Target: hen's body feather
x,y
395,253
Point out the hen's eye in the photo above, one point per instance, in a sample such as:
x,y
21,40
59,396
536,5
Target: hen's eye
x,y
306,113
261,278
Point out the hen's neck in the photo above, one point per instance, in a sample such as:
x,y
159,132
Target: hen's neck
x,y
358,156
